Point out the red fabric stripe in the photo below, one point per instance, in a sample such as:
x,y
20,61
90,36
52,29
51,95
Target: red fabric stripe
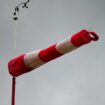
x,y
80,38
49,54
17,66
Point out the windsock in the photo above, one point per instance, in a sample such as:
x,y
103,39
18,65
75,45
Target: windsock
x,y
32,60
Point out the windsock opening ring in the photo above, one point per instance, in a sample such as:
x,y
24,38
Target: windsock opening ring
x,y
92,36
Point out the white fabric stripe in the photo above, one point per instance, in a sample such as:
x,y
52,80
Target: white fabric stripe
x,y
32,60
65,46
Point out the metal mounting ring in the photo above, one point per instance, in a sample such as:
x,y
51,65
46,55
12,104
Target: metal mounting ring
x,y
92,36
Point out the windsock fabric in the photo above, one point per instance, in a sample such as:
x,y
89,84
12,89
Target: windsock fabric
x,y
32,60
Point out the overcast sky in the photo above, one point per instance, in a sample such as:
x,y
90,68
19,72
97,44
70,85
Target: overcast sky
x,y
77,78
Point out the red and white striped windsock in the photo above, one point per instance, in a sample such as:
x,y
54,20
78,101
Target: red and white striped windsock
x,y
29,61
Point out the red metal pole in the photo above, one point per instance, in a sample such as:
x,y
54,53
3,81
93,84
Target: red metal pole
x,y
13,90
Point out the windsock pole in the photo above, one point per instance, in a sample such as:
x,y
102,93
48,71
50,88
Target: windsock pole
x,y
13,90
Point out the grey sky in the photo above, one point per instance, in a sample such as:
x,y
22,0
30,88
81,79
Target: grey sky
x,y
77,78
